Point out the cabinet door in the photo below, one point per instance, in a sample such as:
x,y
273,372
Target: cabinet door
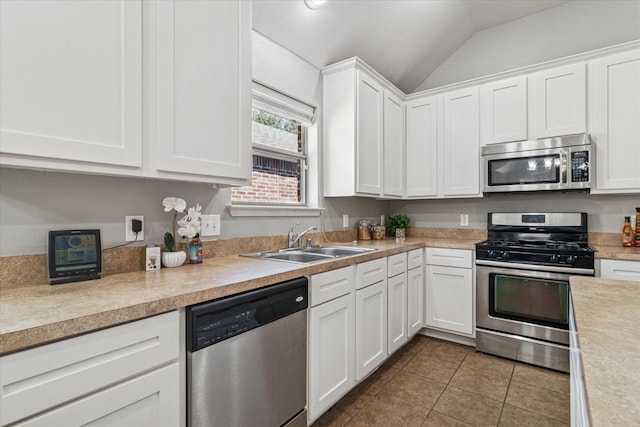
x,y
371,328
35,380
331,353
449,299
393,145
503,111
150,400
397,312
422,147
461,143
614,121
559,101
415,300
201,94
369,148
71,85
620,269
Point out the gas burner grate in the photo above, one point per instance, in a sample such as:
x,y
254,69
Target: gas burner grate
x,y
563,246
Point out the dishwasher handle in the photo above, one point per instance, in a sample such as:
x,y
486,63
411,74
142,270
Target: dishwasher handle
x,y
215,321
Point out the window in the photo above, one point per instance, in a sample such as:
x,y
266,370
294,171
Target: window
x,y
279,136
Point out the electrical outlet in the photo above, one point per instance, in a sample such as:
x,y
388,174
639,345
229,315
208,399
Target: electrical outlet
x,y
382,220
345,221
210,225
464,220
129,235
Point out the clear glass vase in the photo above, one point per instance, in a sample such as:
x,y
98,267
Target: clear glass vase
x,y
400,234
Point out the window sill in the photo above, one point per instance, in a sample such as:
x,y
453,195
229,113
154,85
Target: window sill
x,y
251,210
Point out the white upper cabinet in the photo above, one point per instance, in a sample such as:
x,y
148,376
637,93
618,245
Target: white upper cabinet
x,y
503,111
363,127
422,147
369,134
393,166
614,121
199,92
111,87
71,86
460,143
443,145
559,101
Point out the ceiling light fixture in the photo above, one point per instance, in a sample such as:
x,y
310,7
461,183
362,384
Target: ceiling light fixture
x,y
314,4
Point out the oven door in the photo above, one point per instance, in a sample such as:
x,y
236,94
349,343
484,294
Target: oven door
x,y
526,171
533,304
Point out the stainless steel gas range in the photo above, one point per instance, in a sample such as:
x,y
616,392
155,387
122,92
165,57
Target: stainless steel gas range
x,y
522,279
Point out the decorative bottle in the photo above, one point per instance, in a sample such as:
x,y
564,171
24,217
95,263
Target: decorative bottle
x,y
628,238
638,227
195,250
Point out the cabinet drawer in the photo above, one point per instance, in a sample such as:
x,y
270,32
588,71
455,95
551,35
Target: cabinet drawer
x,y
620,269
397,264
449,257
415,258
43,377
332,284
370,272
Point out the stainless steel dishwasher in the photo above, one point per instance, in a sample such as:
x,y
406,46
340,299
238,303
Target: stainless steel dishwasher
x,y
247,358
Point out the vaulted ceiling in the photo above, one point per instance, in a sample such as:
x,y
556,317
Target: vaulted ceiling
x,y
404,40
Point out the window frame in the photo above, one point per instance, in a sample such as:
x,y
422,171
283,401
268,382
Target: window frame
x,y
277,103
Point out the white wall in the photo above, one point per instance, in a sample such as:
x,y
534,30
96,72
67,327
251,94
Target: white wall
x,y
568,29
34,202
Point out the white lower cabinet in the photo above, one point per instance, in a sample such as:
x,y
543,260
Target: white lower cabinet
x,y
449,292
371,316
397,301
331,338
397,312
415,299
147,400
620,269
124,375
331,353
371,328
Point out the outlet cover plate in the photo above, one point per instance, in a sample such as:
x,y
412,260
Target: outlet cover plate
x,y
464,220
210,225
345,221
130,236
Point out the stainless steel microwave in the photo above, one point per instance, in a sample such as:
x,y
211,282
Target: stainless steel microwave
x,y
560,164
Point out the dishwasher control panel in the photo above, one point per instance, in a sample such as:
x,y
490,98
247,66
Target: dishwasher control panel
x,y
215,321
221,329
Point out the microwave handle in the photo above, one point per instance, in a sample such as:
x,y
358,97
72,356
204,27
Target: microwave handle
x,y
563,167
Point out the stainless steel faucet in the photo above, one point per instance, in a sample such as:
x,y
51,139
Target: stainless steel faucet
x,y
293,239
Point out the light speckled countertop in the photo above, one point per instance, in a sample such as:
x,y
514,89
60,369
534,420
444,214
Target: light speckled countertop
x,y
33,315
616,252
607,314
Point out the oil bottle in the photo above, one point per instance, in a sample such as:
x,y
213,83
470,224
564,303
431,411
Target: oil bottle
x,y
628,238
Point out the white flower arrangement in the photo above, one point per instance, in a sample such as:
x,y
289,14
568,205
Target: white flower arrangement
x,y
189,224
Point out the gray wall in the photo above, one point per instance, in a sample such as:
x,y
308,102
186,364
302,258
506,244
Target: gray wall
x,y
568,29
605,212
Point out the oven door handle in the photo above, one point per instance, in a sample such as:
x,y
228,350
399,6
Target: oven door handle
x,y
563,167
534,267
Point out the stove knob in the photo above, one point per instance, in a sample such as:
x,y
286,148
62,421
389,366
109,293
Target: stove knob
x,y
554,258
504,254
571,259
491,253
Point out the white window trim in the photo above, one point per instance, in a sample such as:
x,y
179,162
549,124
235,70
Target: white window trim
x,y
270,211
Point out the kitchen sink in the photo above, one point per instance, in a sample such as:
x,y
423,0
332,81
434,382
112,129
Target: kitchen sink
x,y
308,255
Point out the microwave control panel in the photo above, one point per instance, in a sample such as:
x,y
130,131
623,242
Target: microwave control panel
x,y
580,166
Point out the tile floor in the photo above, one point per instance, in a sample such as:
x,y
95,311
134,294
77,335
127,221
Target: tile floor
x,y
431,382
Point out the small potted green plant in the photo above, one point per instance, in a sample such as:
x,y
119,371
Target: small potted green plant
x,y
398,225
